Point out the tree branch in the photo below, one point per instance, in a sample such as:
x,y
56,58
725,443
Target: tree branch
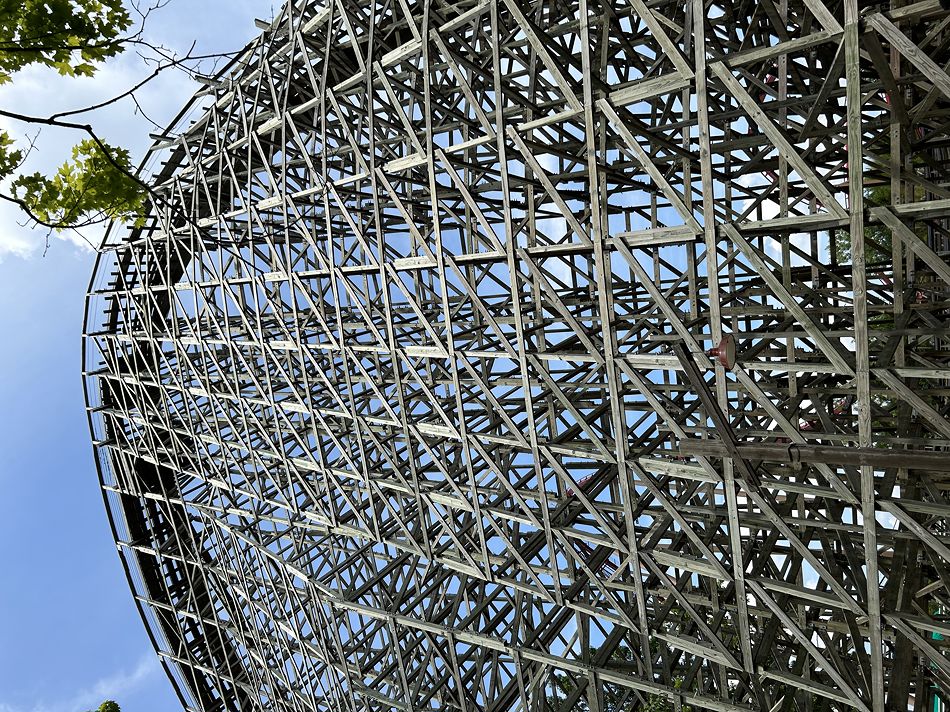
x,y
169,64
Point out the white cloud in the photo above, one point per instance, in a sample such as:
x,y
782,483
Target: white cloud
x,y
111,687
15,242
115,685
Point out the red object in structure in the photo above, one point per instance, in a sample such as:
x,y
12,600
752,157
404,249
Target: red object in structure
x,y
584,481
725,351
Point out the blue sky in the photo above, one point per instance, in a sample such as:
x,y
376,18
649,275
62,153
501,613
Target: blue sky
x,y
69,633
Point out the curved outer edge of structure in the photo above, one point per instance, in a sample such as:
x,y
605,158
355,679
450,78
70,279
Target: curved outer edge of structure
x,y
419,501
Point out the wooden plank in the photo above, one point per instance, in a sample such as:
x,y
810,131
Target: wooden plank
x,y
647,164
788,301
913,242
906,394
932,71
775,135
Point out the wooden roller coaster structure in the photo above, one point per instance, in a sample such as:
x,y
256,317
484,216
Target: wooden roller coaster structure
x,y
543,355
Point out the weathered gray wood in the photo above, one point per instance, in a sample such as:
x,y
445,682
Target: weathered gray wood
x,y
788,301
788,151
932,71
412,391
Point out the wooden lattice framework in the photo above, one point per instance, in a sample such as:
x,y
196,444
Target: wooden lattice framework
x,y
543,355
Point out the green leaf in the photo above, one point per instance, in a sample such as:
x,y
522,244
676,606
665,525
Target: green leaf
x,y
70,36
95,185
9,159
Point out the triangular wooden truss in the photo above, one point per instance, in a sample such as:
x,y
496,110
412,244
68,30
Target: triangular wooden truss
x,y
539,355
